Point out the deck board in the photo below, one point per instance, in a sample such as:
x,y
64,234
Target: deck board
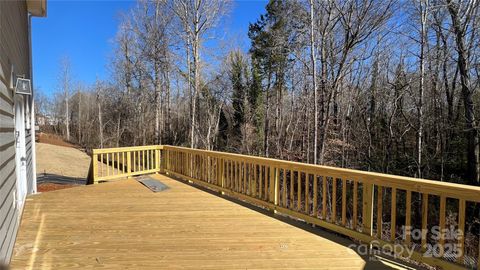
x,y
123,225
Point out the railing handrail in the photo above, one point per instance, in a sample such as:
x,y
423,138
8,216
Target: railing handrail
x,y
126,149
451,190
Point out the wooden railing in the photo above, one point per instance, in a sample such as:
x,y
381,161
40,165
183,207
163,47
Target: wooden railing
x,y
115,163
369,207
350,202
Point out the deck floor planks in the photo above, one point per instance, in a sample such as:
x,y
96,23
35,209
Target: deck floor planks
x,y
123,225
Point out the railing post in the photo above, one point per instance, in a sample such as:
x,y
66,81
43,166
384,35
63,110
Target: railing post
x,y
94,168
271,195
161,160
277,185
129,163
222,172
367,209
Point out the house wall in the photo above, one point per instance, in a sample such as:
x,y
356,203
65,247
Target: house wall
x,y
14,51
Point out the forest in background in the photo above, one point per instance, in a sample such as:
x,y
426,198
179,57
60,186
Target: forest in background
x,y
387,86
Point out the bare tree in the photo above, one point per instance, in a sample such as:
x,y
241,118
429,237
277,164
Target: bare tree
x,y
463,15
423,7
313,59
65,81
198,17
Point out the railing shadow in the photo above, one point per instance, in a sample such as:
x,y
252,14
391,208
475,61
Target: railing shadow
x,y
60,179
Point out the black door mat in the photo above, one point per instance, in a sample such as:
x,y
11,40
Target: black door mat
x,y
153,184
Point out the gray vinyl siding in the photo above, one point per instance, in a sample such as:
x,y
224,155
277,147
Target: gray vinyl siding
x,y
14,50
29,143
9,214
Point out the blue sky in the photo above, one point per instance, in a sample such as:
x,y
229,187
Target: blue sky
x,y
84,31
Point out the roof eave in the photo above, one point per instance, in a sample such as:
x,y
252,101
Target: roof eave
x,y
37,8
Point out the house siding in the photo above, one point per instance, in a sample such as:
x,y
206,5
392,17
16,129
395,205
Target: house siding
x,y
30,143
14,51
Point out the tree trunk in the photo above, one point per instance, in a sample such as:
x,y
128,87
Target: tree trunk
x,y
67,113
100,123
423,14
79,124
314,81
471,133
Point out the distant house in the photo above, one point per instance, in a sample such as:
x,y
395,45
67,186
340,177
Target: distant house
x,y
17,128
45,120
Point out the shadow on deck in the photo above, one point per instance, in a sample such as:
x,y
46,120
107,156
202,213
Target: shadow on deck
x,y
123,224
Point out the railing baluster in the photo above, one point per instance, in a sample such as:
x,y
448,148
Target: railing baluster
x,y
222,172
307,193
113,163
199,166
245,177
424,220
129,163
237,174
139,162
152,160
116,165
241,180
228,173
315,195
232,174
134,159
217,171
255,175
324,197
146,160
277,186
208,169
248,182
266,182
408,217
393,220
299,190
101,164
292,183
461,230
204,168
272,188
334,200
367,206
94,167
355,204
284,181
344,201
123,162
260,182
441,242
379,211
108,164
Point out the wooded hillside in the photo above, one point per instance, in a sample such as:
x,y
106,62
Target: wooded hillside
x,y
387,86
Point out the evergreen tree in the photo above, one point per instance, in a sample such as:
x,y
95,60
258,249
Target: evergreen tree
x,y
237,77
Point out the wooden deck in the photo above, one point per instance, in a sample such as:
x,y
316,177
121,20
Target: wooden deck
x,y
123,225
